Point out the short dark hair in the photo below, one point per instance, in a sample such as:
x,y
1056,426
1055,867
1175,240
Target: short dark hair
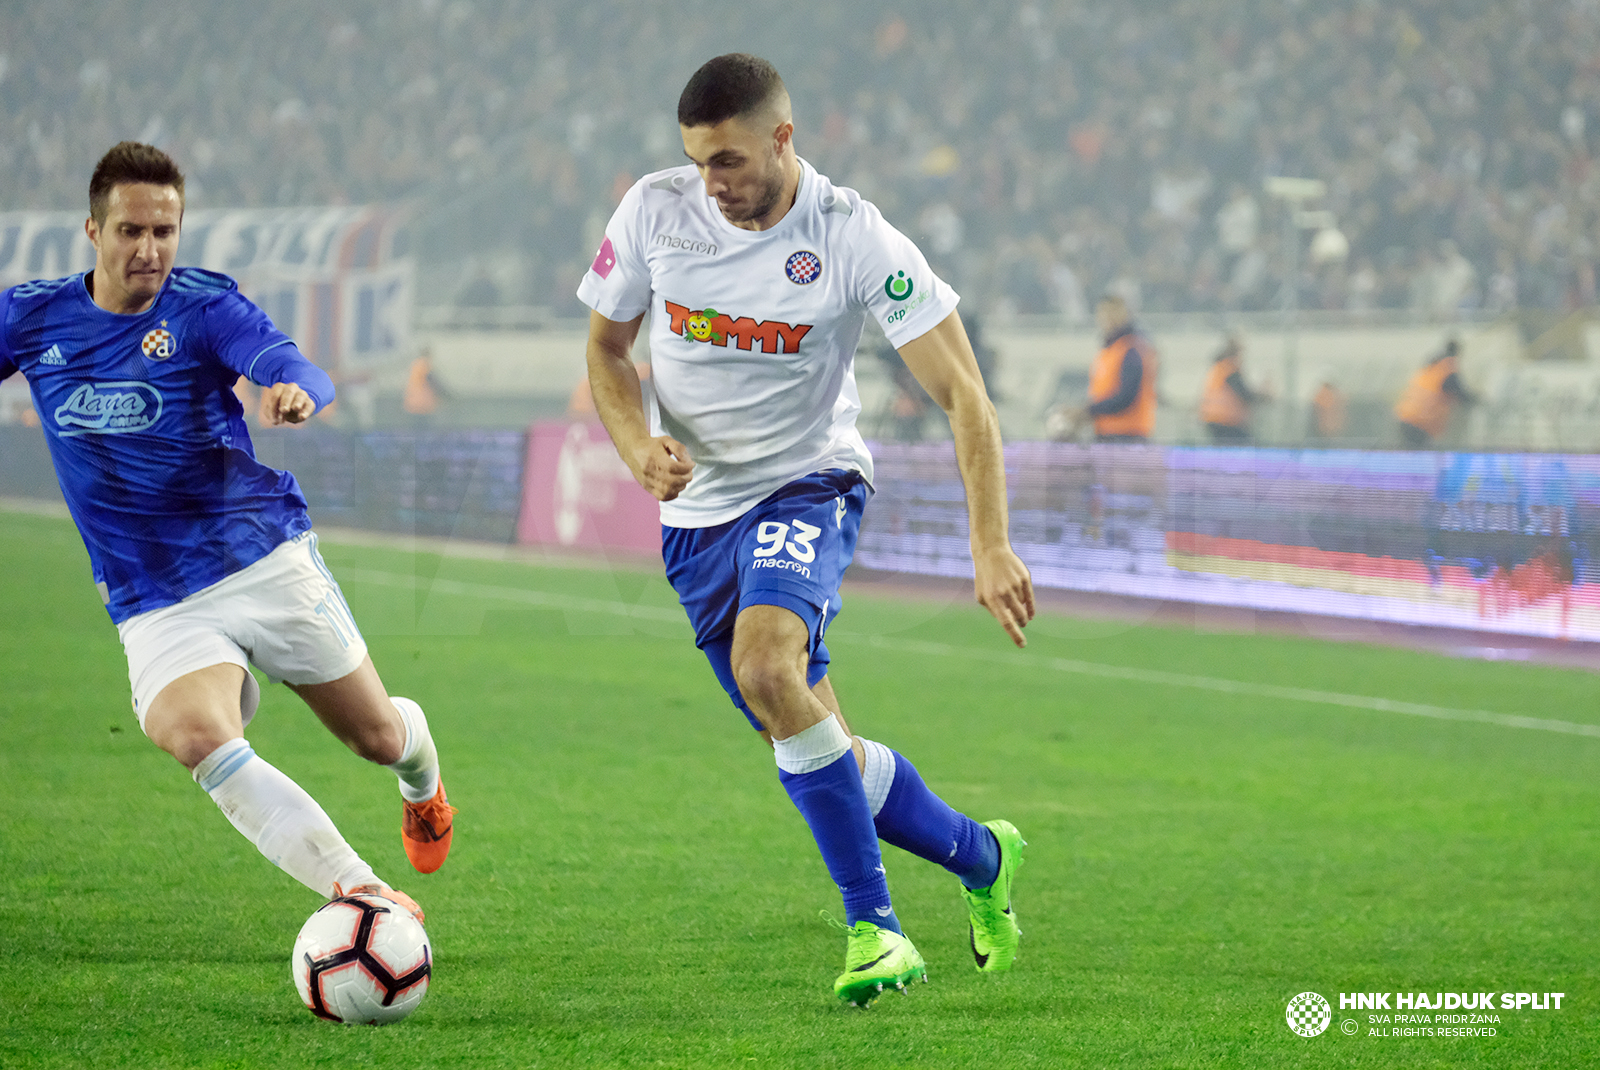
x,y
127,163
727,87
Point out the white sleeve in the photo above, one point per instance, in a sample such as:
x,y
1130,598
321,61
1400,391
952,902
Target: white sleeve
x,y
617,284
893,280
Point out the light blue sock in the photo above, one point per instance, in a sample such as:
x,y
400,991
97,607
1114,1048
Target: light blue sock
x,y
913,818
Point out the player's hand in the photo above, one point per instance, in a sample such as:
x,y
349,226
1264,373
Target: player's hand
x,y
662,466
286,403
1065,422
1004,587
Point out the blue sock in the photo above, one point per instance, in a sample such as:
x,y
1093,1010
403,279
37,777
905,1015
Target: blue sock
x,y
914,819
834,804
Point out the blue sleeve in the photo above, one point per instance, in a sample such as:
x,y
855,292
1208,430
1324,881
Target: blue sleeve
x,y
7,365
245,340
286,364
1132,377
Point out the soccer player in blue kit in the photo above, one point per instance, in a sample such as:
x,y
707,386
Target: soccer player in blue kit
x,y
757,274
205,557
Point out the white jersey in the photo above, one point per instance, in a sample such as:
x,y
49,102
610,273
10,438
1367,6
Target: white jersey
x,y
753,334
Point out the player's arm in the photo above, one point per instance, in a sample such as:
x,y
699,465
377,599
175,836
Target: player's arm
x,y
943,362
246,341
294,388
660,463
8,363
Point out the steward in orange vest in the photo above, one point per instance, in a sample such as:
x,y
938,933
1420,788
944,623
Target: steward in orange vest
x,y
420,397
1429,399
1329,412
1225,403
1122,382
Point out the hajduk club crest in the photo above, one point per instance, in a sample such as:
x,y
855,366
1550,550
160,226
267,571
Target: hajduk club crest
x,y
803,268
159,344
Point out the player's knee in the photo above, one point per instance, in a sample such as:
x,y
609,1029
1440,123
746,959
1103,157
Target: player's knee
x,y
380,742
189,739
764,678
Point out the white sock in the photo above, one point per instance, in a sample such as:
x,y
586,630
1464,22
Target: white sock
x,y
812,749
878,776
418,767
277,815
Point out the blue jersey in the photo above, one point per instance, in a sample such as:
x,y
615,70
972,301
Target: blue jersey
x,y
148,440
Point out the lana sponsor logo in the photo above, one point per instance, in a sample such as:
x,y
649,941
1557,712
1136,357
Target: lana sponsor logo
x,y
717,328
112,409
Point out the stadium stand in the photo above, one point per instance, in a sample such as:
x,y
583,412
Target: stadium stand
x,y
1039,152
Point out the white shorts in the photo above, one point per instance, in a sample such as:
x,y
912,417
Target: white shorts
x,y
284,614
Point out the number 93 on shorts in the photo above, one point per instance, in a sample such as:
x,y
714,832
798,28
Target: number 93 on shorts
x,y
790,550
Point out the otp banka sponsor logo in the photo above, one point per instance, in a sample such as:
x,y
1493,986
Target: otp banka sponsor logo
x,y
110,409
717,328
774,539
900,287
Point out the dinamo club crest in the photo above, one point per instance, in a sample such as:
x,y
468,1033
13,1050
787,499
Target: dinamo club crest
x,y
159,344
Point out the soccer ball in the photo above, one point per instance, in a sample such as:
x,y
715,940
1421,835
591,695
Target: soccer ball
x,y
362,959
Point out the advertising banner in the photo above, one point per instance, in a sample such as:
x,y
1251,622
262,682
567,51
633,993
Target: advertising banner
x,y
453,484
328,277
577,493
1491,542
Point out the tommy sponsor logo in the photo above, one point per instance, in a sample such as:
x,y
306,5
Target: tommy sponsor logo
x,y
53,355
717,328
113,409
688,245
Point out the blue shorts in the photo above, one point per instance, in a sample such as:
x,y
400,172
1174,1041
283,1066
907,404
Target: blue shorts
x,y
789,550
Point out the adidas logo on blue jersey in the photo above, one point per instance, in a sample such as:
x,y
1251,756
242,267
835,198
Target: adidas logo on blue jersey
x,y
53,356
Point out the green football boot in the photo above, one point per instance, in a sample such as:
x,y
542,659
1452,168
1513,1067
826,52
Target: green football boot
x,y
875,959
991,922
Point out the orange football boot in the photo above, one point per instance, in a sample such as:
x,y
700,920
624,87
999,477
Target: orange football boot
x,y
425,830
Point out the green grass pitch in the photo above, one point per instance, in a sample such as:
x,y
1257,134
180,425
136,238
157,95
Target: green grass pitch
x,y
631,888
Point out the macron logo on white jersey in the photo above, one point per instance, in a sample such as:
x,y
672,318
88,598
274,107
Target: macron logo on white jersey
x,y
53,355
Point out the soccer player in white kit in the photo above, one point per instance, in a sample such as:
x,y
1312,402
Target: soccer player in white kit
x,y
757,274
204,556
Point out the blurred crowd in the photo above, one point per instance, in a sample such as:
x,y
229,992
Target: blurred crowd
x,y
1041,152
